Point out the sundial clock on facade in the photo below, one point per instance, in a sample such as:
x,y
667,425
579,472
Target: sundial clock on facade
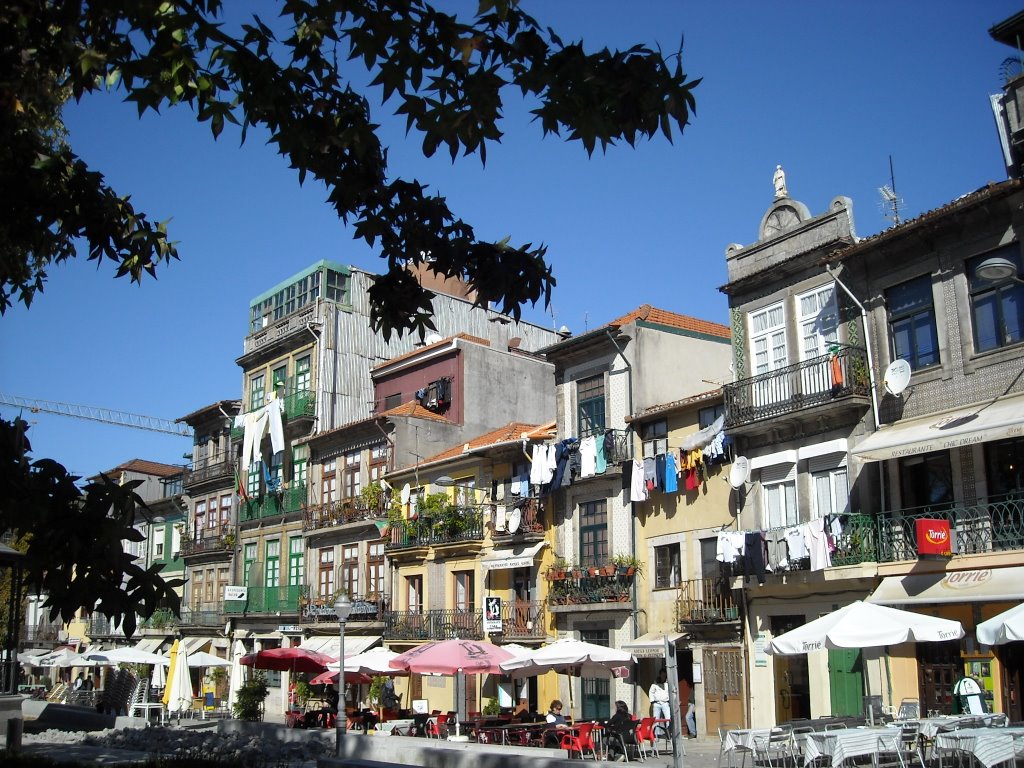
x,y
782,218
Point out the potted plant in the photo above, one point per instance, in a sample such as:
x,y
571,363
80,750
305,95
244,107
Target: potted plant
x,y
228,540
557,569
303,693
219,677
250,697
492,707
628,565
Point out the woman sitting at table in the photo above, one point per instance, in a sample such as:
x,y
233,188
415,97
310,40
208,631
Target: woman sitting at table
x,y
556,721
621,728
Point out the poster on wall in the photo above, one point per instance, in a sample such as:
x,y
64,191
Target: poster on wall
x,y
492,615
760,657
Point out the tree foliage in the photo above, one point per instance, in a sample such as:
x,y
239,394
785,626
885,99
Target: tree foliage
x,y
73,538
445,76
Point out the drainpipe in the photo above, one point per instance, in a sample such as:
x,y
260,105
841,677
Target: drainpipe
x,y
632,505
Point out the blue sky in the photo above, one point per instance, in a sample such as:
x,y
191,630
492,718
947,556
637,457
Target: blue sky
x,y
828,90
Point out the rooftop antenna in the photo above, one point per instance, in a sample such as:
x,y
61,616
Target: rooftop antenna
x,y
890,202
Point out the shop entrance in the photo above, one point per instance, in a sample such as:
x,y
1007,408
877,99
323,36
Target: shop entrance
x,y
792,689
1012,657
939,667
723,689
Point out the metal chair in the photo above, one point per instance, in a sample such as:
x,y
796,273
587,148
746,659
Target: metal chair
x,y
777,749
889,750
723,731
910,709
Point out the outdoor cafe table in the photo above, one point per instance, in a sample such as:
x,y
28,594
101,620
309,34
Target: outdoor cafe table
x,y
500,734
989,746
843,744
930,726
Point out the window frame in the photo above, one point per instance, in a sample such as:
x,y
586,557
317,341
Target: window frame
x,y
665,564
911,320
594,537
654,435
1005,293
591,406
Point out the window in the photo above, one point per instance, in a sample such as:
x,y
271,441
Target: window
x,y
279,377
926,480
302,383
414,593
831,492
252,480
593,533
223,575
159,535
768,339
197,590
350,569
778,484
325,573
225,510
667,566
200,518
256,392
465,600
997,308
337,286
655,437
273,564
329,482
375,570
378,461
210,584
818,321
248,558
296,561
464,493
392,401
351,477
300,461
707,416
912,322
590,397
1004,463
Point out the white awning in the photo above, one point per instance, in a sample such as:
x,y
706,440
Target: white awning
x,y
983,584
983,423
194,644
149,644
329,644
651,645
517,557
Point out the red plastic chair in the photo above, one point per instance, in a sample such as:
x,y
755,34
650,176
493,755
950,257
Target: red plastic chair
x,y
580,741
645,734
434,727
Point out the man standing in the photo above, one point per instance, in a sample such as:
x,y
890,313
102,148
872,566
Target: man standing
x,y
658,695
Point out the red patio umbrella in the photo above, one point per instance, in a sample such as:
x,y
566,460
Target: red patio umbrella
x,y
448,657
292,659
352,678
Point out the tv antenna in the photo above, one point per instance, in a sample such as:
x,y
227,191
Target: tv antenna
x,y
891,203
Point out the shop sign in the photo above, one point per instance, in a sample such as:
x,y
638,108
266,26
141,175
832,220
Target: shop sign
x,y
934,539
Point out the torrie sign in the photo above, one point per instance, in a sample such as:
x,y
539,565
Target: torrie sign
x,y
934,539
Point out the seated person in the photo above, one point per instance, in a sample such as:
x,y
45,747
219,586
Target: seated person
x,y
621,732
555,720
330,707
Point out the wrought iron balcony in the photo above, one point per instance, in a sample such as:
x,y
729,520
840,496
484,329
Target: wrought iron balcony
x,y
202,617
364,608
530,526
220,539
283,502
455,524
42,632
619,447
299,405
995,524
815,382
204,470
329,514
267,600
523,620
579,587
439,624
705,601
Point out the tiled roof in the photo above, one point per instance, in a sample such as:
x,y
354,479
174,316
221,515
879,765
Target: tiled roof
x,y
441,343
506,434
414,409
703,397
144,467
650,314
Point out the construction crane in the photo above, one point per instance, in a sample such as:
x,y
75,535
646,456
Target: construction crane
x,y
102,415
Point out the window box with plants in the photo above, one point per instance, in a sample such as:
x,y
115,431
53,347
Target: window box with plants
x,y
627,565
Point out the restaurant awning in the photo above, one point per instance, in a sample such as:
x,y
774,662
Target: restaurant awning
x,y
149,644
983,423
194,644
651,645
517,557
983,584
329,644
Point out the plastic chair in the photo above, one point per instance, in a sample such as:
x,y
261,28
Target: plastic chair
x,y
645,734
580,741
434,727
910,709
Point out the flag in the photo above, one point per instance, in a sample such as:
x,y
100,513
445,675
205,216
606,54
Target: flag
x,y
243,495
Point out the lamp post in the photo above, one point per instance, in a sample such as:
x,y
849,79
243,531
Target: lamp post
x,y
996,268
342,607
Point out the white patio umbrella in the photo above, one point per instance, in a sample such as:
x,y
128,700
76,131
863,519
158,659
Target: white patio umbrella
x,y
126,656
865,625
204,659
62,657
178,693
569,656
237,674
1006,627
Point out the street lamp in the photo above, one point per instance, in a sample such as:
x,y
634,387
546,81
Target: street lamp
x,y
997,268
342,607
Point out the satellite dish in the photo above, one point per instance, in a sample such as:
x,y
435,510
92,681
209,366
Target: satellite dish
x,y
897,376
515,518
406,490
432,338
739,472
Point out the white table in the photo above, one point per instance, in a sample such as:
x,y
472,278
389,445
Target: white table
x,y
844,744
990,746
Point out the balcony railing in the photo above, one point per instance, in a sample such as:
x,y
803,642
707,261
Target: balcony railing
x,y
209,540
813,382
283,502
440,624
364,608
521,619
300,404
202,617
43,632
267,600
619,447
332,513
456,524
529,521
705,601
203,471
587,589
990,525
